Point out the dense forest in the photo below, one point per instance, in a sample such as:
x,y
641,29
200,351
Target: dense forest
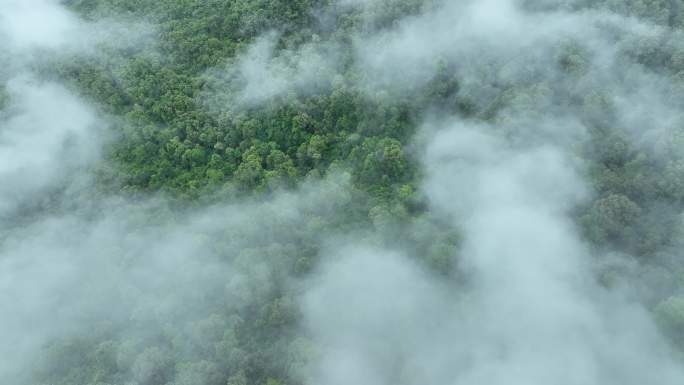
x,y
272,192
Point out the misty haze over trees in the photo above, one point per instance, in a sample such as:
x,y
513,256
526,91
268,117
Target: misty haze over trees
x,y
329,192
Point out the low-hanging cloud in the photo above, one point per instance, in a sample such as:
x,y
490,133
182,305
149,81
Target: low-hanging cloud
x,y
45,136
527,309
529,312
263,74
31,28
38,24
48,134
107,268
50,139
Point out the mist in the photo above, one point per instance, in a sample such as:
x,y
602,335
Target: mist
x,y
530,310
523,110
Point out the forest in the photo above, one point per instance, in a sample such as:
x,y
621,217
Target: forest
x,y
328,192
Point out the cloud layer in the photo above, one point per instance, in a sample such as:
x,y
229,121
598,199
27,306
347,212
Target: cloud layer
x,y
527,307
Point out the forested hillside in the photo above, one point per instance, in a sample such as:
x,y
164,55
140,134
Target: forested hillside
x,y
272,192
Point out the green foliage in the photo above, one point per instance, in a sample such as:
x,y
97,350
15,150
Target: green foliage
x,y
170,140
670,315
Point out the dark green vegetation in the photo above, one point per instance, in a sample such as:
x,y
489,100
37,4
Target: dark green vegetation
x,y
177,134
171,142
